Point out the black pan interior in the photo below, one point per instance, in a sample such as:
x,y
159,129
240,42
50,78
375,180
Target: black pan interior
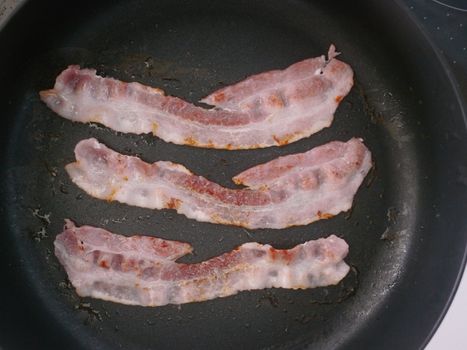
x,y
406,231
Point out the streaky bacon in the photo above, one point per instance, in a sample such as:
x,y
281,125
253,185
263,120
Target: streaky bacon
x,y
292,190
269,109
141,270
244,95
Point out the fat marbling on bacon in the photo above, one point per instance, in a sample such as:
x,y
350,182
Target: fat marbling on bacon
x,y
292,190
142,270
269,109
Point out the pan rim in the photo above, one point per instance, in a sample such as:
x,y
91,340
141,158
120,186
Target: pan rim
x,y
6,19
462,103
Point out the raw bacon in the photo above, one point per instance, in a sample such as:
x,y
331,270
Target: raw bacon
x,y
269,109
141,270
291,190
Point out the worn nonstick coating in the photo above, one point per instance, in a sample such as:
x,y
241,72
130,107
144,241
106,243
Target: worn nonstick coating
x,y
406,231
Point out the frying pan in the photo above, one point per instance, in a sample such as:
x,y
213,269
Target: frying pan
x,y
406,231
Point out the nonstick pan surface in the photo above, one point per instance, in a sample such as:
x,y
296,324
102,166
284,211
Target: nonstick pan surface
x,y
406,230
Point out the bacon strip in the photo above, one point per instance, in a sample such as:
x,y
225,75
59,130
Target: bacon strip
x,y
269,109
141,270
292,190
244,95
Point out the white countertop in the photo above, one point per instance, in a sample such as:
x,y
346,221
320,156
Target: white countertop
x,y
452,333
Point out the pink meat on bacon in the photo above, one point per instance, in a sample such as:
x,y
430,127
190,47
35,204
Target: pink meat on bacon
x,y
141,270
291,190
269,109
